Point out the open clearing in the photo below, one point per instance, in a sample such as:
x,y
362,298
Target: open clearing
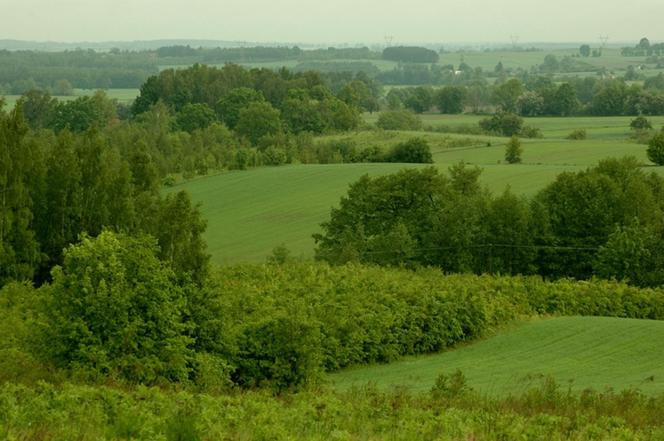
x,y
582,352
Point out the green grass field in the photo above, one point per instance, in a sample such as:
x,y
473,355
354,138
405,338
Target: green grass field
x,y
583,352
124,96
249,213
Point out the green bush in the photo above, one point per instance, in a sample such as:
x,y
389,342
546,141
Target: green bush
x,y
115,310
656,149
399,120
502,123
415,150
578,134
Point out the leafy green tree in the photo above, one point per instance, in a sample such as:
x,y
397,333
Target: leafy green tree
x,y
584,50
640,123
195,117
410,197
178,227
507,231
530,104
551,64
583,209
84,113
359,95
114,309
632,253
564,101
415,150
39,109
506,95
506,124
451,99
257,120
281,352
610,99
655,149
19,166
420,99
229,107
513,150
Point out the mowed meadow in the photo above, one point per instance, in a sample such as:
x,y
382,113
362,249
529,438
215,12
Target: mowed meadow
x,y
249,213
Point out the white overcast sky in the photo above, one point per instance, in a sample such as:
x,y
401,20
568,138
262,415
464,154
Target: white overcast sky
x,y
317,21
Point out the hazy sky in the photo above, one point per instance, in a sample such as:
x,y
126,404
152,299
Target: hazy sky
x,y
317,21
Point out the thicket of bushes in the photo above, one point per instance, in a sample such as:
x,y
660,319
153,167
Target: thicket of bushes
x,y
548,412
114,312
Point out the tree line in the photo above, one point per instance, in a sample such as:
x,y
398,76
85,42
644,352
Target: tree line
x,y
605,221
537,96
55,187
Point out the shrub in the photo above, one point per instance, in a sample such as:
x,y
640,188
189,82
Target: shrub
x,y
656,149
415,150
513,151
280,352
399,120
640,123
502,123
115,309
531,132
578,134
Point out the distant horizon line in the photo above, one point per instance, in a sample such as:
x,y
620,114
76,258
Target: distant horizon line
x,y
241,42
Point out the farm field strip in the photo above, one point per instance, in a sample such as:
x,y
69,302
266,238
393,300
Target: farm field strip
x,y
582,352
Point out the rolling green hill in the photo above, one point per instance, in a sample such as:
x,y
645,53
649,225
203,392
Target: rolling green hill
x,y
251,212
584,352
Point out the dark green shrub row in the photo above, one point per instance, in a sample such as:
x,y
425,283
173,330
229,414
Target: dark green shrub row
x,y
298,319
268,325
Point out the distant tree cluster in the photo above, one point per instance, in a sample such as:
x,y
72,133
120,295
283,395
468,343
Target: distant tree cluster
x,y
643,48
410,54
59,72
538,96
604,221
57,187
254,103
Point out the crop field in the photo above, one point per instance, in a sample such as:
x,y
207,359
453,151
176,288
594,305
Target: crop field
x,y
582,352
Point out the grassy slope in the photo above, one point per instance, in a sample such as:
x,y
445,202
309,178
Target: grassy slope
x,y
251,212
586,352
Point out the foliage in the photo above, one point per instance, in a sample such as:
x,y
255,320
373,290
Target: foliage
x,y
656,149
506,124
632,253
578,134
451,99
257,120
115,310
415,150
398,120
195,117
543,411
410,54
513,151
640,123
